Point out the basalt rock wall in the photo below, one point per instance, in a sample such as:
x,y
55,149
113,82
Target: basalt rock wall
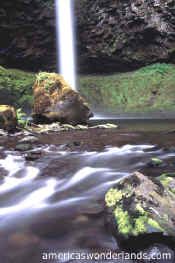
x,y
121,34
112,35
28,39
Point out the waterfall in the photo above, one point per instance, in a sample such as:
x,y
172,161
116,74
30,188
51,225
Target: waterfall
x,y
65,41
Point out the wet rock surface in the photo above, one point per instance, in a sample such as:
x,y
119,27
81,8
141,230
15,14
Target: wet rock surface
x,y
125,34
111,36
55,100
140,205
8,118
23,147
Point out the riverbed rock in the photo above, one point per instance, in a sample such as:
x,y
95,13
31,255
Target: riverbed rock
x,y
29,140
156,162
32,156
22,147
54,100
8,118
142,205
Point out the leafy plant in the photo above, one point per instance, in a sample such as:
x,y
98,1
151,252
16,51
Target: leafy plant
x,y
20,118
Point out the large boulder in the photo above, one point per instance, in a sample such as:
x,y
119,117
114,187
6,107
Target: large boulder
x,y
8,118
54,100
142,205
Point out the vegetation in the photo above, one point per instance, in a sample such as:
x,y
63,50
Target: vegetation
x,y
128,223
151,88
22,121
16,88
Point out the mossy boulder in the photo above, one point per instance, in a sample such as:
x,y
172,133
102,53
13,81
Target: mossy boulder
x,y
141,205
8,118
54,100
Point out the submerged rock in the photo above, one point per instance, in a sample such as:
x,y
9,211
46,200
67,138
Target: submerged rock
x,y
22,147
32,156
155,162
8,118
54,100
142,205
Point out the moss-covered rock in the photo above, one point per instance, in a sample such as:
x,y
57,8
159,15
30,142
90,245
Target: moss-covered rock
x,y
54,100
8,118
140,205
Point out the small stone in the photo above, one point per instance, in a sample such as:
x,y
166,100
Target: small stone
x,y
29,139
32,156
76,143
23,147
155,162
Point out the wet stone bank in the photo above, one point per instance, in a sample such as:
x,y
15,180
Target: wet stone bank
x,y
52,190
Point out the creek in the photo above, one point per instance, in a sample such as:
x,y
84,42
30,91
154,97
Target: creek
x,y
56,203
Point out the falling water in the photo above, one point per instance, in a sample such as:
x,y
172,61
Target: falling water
x,y
65,40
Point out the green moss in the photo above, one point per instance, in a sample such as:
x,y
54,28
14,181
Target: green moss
x,y
129,225
151,88
140,225
16,87
158,68
140,209
165,180
112,197
157,161
154,224
41,76
173,190
123,221
165,217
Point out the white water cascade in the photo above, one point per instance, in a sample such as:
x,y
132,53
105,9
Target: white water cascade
x,y
65,40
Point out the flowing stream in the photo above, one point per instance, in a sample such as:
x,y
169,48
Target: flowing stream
x,y
57,202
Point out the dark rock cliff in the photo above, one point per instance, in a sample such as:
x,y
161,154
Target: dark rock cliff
x,y
28,39
112,35
121,34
